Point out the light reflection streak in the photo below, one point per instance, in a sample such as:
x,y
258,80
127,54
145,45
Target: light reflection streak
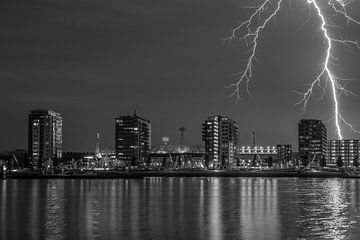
x,y
201,206
3,207
112,206
259,209
55,210
135,209
181,200
34,206
88,216
215,210
335,203
325,209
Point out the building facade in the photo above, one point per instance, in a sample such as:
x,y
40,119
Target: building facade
x,y
220,135
347,149
132,139
45,138
167,156
256,156
284,153
312,140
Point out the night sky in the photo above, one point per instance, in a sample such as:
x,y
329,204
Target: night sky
x,y
92,60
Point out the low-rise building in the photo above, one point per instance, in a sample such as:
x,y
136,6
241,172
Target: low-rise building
x,y
176,156
346,149
257,156
284,154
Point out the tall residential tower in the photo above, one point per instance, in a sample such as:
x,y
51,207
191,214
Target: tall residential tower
x,y
220,135
45,138
312,139
132,139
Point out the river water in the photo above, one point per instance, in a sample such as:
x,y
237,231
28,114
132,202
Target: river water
x,y
180,208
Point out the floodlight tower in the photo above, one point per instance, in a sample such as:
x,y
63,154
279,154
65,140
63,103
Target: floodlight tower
x,y
182,131
97,148
165,142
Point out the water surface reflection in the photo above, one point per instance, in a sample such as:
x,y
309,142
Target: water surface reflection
x,y
180,208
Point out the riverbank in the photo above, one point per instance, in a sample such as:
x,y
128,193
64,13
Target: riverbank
x,y
177,173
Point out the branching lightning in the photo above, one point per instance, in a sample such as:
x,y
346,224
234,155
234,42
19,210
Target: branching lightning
x,y
259,19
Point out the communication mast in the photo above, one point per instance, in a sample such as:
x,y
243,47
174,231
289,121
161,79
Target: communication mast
x,y
253,139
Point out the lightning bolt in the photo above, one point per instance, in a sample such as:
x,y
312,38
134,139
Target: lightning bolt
x,y
259,19
251,38
342,10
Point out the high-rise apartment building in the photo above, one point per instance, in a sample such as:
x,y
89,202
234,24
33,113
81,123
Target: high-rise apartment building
x,y
220,135
347,149
312,139
132,139
45,138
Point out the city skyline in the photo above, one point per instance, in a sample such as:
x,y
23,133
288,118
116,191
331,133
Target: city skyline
x,y
220,150
172,70
134,115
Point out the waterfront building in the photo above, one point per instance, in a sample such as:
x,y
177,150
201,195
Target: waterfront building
x,y
256,156
284,153
312,140
45,138
347,149
220,135
168,156
132,139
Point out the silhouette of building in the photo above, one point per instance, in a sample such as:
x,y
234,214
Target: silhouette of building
x,y
45,138
220,135
347,149
132,139
312,139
